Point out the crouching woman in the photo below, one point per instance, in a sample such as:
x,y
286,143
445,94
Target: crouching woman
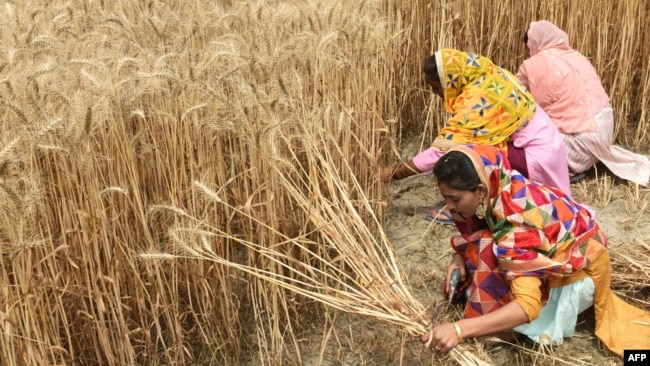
x,y
534,258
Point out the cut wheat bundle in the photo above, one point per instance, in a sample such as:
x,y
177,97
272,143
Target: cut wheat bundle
x,y
362,275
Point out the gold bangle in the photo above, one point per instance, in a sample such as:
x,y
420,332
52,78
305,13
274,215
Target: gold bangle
x,y
459,333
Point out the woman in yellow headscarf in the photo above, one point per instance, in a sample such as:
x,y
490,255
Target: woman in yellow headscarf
x,y
488,105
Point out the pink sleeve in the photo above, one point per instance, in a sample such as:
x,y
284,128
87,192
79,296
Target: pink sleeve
x,y
545,152
426,159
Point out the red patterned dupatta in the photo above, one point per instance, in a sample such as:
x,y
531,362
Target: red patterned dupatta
x,y
530,230
489,289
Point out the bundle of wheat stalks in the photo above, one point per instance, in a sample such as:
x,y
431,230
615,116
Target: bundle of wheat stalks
x,y
347,262
172,172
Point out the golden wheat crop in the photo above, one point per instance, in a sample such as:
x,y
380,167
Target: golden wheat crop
x,y
138,138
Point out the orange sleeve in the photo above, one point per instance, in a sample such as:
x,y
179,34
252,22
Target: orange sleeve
x,y
527,292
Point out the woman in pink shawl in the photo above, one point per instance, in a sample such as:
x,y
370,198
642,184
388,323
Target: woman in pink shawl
x,y
565,84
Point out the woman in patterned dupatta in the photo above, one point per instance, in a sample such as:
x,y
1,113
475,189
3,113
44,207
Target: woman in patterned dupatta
x,y
528,250
489,106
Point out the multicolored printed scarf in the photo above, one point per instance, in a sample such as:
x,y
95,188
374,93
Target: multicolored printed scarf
x,y
530,230
487,103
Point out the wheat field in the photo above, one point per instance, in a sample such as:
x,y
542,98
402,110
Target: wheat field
x,y
196,182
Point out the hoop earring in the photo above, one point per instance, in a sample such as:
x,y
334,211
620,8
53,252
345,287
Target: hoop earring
x,y
480,210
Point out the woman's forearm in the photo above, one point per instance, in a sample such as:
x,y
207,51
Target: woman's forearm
x,y
446,336
505,318
405,170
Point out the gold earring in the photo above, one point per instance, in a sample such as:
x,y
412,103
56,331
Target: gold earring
x,y
480,210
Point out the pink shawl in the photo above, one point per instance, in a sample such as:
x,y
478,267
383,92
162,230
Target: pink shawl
x,y
563,81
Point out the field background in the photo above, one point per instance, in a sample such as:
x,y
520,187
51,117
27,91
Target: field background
x,y
196,182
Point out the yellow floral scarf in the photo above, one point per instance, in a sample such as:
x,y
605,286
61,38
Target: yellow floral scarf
x,y
487,103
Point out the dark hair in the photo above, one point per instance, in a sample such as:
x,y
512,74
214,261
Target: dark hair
x,y
430,69
457,171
